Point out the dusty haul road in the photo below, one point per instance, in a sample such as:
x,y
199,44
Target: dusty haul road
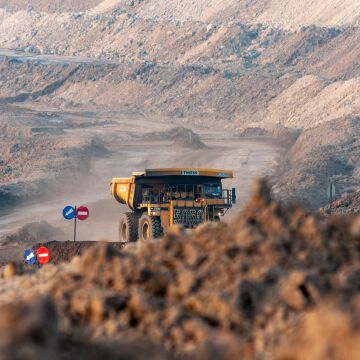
x,y
130,150
47,59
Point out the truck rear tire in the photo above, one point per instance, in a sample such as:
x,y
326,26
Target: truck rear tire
x,y
150,227
128,227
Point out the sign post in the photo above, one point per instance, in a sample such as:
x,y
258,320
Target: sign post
x,y
75,225
71,212
331,191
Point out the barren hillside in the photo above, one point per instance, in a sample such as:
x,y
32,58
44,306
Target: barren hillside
x,y
37,150
289,14
301,77
243,63
49,6
327,153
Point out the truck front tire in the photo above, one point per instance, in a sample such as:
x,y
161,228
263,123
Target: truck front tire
x,y
128,227
150,227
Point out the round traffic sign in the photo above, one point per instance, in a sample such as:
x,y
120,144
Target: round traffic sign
x,y
43,255
82,212
30,257
69,212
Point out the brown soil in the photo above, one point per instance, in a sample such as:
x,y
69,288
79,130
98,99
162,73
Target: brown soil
x,y
276,279
65,251
349,204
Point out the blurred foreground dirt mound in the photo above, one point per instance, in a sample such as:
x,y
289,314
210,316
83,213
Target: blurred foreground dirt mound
x,y
276,283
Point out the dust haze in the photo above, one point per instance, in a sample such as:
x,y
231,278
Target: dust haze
x,y
130,146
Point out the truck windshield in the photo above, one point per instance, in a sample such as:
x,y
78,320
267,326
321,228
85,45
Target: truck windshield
x,y
212,190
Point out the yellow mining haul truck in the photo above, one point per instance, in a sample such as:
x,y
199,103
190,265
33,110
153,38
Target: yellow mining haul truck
x,y
160,198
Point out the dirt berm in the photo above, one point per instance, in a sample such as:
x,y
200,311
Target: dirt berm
x,y
180,136
64,251
349,204
275,283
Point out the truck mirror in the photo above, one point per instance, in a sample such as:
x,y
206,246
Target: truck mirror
x,y
233,197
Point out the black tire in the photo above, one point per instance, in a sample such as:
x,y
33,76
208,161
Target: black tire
x,y
128,227
150,228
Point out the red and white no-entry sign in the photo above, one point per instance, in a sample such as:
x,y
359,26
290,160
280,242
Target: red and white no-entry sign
x,y
82,213
43,255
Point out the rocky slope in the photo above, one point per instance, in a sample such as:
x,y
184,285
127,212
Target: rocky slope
x,y
349,204
326,154
46,6
289,14
243,64
249,73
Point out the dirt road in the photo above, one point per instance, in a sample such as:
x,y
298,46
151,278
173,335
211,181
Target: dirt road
x,y
131,151
21,56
